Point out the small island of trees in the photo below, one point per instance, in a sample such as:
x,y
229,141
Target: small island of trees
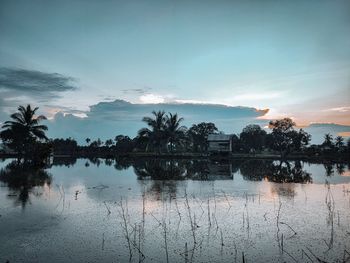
x,y
164,135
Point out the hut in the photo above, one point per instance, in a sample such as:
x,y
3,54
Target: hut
x,y
220,143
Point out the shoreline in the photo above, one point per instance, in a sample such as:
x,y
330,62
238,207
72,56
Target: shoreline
x,y
232,156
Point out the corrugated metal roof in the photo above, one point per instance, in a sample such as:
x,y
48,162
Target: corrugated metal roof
x,y
219,137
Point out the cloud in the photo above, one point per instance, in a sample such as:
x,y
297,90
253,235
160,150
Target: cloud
x,y
33,84
339,109
21,86
318,130
152,98
108,119
137,91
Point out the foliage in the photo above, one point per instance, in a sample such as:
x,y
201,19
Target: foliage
x,y
198,135
253,137
155,134
123,144
284,138
174,132
23,133
328,140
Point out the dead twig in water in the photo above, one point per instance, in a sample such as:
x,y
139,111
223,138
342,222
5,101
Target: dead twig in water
x,y
177,210
209,221
318,259
165,241
283,223
304,253
190,216
109,211
125,222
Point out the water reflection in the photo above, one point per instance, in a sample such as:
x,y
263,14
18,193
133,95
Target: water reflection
x,y
180,169
160,170
21,179
275,171
165,174
253,170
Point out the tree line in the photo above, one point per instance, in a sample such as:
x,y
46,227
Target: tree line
x,y
164,133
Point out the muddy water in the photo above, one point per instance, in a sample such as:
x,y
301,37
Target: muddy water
x,y
176,211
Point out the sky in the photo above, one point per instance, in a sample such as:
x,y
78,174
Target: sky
x,y
271,58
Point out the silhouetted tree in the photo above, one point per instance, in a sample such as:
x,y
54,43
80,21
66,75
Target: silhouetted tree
x,y
284,138
339,142
198,134
123,144
174,133
328,140
65,146
23,133
88,140
155,134
109,142
253,137
300,139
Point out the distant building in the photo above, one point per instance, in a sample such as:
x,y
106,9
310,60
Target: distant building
x,y
219,143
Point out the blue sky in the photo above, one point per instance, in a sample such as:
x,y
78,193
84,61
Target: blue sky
x,y
291,57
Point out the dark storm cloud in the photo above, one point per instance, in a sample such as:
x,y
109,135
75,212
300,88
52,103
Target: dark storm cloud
x,y
36,84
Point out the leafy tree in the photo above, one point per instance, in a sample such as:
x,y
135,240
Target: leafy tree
x,y
109,142
284,138
23,133
124,144
199,134
96,144
174,133
64,146
300,139
253,137
88,140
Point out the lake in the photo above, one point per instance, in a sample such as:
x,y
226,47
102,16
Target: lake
x,y
174,211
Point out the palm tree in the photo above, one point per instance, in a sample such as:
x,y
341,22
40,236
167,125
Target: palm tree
x,y
24,129
155,132
328,140
174,132
339,141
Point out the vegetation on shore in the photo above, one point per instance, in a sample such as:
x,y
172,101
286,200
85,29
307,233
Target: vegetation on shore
x,y
164,134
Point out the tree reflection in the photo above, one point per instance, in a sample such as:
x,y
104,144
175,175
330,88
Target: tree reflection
x,y
64,161
329,168
340,168
160,170
123,163
22,178
279,172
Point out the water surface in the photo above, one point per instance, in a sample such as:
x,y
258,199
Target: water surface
x,y
177,211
